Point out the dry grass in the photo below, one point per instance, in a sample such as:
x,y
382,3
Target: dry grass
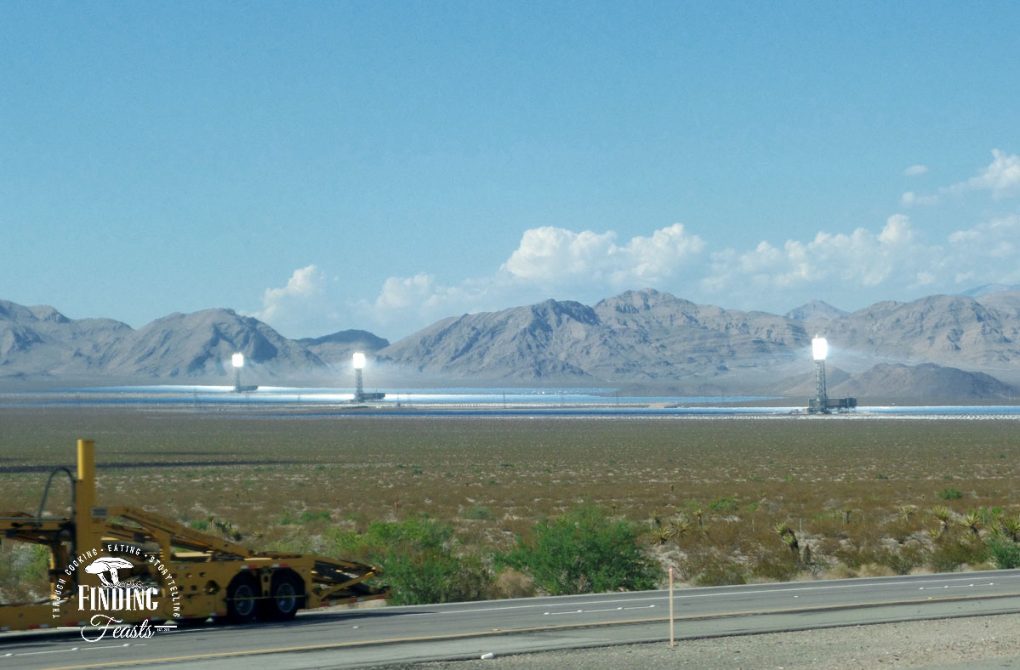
x,y
854,493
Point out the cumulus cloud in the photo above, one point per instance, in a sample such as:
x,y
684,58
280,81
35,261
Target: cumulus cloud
x,y
893,260
897,231
884,262
1001,178
424,292
862,258
988,251
915,170
551,255
422,298
402,292
300,301
548,261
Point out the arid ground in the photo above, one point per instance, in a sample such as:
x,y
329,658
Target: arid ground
x,y
723,500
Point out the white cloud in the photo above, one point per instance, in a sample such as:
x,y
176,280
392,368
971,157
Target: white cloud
x,y
1001,178
555,262
403,292
548,261
909,199
984,234
657,257
556,256
859,265
297,304
897,231
548,253
862,258
421,299
878,264
988,252
897,260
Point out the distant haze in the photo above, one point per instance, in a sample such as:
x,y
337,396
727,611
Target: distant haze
x,y
942,347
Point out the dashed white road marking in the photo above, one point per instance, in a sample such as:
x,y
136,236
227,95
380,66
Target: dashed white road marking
x,y
609,609
39,653
961,586
72,649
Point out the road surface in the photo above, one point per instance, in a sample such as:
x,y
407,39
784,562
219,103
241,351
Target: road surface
x,y
365,637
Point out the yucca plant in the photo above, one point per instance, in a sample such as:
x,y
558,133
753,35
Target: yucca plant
x,y
660,535
678,527
787,535
1010,527
944,517
972,521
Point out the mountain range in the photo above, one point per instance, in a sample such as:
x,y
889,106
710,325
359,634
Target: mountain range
x,y
40,343
965,346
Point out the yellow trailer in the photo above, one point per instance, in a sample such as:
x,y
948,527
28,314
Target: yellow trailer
x,y
128,568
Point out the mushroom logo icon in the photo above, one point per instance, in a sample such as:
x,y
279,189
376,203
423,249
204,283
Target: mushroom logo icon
x,y
110,564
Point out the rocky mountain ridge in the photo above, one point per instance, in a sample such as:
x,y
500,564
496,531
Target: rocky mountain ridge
x,y
42,343
638,337
648,335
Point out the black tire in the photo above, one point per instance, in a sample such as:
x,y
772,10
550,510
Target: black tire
x,y
286,597
191,622
242,599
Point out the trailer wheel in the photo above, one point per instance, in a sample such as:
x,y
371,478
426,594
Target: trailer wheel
x,y
241,598
191,622
286,596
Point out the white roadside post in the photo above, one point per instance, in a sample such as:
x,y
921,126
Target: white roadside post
x,y
672,641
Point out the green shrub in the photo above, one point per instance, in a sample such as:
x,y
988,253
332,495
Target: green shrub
x,y
421,577
904,560
478,513
723,505
308,516
777,566
510,583
583,551
24,571
419,559
950,494
1005,553
949,555
721,573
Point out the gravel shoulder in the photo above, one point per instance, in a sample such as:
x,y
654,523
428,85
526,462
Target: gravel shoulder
x,y
945,644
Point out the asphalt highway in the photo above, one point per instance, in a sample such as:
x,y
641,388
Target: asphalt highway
x,y
364,637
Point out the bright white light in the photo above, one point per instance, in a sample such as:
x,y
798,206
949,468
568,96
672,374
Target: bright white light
x,y
237,360
358,360
819,348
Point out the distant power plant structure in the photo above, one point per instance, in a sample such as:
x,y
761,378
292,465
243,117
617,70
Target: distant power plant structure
x,y
821,403
237,360
358,361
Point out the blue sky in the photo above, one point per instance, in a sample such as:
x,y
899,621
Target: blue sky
x,y
382,165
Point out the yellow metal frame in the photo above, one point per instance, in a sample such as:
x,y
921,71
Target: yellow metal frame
x,y
201,565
